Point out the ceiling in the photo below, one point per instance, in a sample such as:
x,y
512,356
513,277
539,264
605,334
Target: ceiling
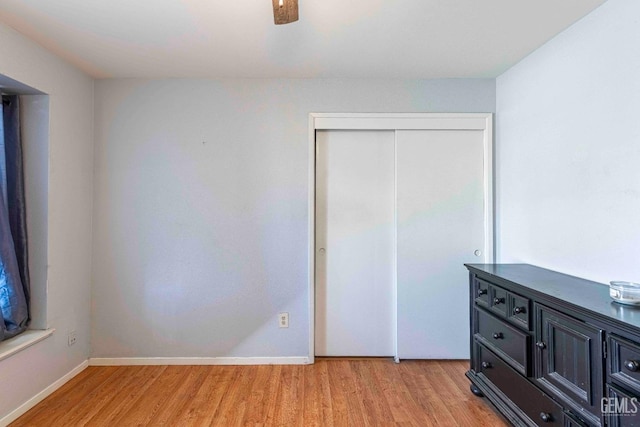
x,y
332,39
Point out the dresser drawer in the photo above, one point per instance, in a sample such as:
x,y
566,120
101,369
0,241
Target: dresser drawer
x,y
519,310
481,290
505,340
571,420
622,409
498,300
624,363
536,405
503,303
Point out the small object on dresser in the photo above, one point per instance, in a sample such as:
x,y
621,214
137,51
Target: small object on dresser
x,y
625,292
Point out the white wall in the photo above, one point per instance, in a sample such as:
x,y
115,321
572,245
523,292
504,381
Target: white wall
x,y
200,213
568,150
27,373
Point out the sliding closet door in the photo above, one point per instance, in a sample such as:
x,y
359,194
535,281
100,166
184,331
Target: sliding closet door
x,y
355,241
440,220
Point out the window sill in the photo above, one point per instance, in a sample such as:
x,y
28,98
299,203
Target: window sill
x,y
26,339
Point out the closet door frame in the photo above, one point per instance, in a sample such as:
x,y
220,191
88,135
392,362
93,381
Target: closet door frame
x,y
396,121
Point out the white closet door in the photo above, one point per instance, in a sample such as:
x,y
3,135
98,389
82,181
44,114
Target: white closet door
x,y
440,209
355,241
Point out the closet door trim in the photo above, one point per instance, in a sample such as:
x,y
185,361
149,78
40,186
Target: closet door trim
x,y
395,121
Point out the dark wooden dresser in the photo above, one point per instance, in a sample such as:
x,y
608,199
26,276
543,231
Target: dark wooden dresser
x,y
552,349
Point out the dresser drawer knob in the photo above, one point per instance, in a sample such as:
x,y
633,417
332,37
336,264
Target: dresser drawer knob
x,y
482,292
546,417
541,345
498,335
487,365
518,310
497,300
632,365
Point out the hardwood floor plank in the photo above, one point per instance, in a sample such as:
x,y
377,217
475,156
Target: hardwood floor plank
x,y
446,387
345,381
312,405
402,399
271,403
232,405
202,409
189,393
258,399
147,405
290,397
140,381
376,410
339,411
179,393
332,392
426,393
69,395
470,411
320,399
97,398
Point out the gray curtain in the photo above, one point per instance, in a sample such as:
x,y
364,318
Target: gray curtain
x,y
14,271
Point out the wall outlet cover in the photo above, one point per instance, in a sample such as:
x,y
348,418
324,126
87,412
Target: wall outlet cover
x,y
72,338
283,320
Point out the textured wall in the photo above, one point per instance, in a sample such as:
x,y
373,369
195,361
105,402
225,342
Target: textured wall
x,y
70,188
200,232
568,150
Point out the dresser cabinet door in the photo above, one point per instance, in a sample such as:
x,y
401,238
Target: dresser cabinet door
x,y
569,361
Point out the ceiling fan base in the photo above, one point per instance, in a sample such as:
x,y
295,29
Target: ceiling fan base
x,y
285,14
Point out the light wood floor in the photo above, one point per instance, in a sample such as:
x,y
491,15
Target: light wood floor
x,y
333,392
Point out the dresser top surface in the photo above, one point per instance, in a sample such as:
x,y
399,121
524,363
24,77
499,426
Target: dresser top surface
x,y
582,293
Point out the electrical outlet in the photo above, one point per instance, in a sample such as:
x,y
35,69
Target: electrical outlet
x,y
72,338
283,320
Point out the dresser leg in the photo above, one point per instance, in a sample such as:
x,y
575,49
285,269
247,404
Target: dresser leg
x,y
475,390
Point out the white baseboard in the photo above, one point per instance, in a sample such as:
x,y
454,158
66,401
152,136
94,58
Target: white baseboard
x,y
22,409
124,361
